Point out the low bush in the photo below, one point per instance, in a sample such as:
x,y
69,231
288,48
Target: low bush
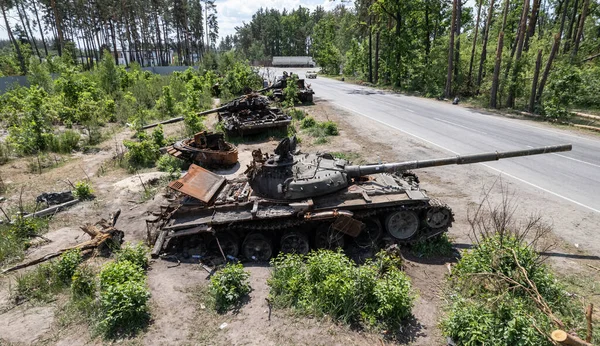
x,y
296,114
14,238
494,297
440,246
308,122
141,154
319,130
168,163
68,263
83,190
229,286
83,283
136,254
377,294
124,298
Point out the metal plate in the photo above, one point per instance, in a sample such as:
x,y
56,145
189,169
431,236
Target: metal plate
x,y
348,225
199,183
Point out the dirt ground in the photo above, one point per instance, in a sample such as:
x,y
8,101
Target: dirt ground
x,y
179,314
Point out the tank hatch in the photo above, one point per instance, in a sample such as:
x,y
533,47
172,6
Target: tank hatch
x,y
199,183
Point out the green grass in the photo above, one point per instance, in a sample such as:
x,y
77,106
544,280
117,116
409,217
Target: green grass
x,y
440,246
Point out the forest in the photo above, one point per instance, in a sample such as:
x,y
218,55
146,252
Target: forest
x,y
534,55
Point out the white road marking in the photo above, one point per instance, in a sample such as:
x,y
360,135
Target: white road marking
x,y
574,159
464,127
488,166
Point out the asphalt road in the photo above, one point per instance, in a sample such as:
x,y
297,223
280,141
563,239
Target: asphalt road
x,y
572,177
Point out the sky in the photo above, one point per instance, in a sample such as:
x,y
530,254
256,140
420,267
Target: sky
x,y
231,13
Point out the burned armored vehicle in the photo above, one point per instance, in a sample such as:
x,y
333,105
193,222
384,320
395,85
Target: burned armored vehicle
x,y
206,149
250,114
292,202
305,93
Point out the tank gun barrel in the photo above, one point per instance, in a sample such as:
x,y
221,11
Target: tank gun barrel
x,y
357,171
209,111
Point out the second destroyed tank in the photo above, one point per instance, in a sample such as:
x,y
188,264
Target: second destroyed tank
x,y
292,202
205,148
250,114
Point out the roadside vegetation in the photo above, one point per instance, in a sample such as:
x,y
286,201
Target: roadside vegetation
x,y
500,292
376,294
229,287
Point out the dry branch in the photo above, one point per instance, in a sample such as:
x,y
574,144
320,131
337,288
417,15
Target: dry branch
x,y
100,236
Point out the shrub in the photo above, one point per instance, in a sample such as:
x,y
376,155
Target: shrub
x,y
492,300
308,122
116,273
136,254
141,154
124,308
83,282
377,293
38,284
124,297
83,190
66,266
330,128
168,163
296,114
158,136
68,141
228,286
438,247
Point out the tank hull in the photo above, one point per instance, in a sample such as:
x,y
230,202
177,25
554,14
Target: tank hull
x,y
358,216
206,149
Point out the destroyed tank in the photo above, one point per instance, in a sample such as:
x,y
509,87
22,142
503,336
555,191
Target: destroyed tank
x,y
205,148
250,114
292,202
305,93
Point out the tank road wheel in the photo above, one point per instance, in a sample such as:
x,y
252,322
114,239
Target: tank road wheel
x,y
402,224
257,247
438,217
229,243
328,238
371,234
294,242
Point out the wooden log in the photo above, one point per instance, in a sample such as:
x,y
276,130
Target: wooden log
x,y
588,116
159,244
563,338
588,317
587,127
51,210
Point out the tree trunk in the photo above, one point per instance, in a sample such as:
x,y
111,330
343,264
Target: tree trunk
x,y
584,11
457,49
40,27
536,76
563,17
538,97
114,41
370,50
12,39
448,90
532,22
427,34
158,39
510,102
28,27
377,56
569,34
495,79
486,34
469,79
58,26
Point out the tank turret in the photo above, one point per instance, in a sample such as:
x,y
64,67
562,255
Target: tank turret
x,y
251,101
287,175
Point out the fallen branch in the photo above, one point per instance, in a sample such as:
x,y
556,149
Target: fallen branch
x,y
564,338
100,236
588,317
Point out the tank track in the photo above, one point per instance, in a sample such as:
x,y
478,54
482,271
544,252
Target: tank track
x,y
288,223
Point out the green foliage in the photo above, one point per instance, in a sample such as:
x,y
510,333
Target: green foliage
x,y
440,246
193,123
108,74
136,254
116,273
83,282
66,266
29,132
158,136
491,296
141,154
296,114
229,286
290,92
83,190
308,122
168,163
39,284
12,246
377,294
65,142
124,308
38,75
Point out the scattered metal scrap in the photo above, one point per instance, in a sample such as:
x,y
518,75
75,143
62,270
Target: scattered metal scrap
x,y
104,237
205,148
54,198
